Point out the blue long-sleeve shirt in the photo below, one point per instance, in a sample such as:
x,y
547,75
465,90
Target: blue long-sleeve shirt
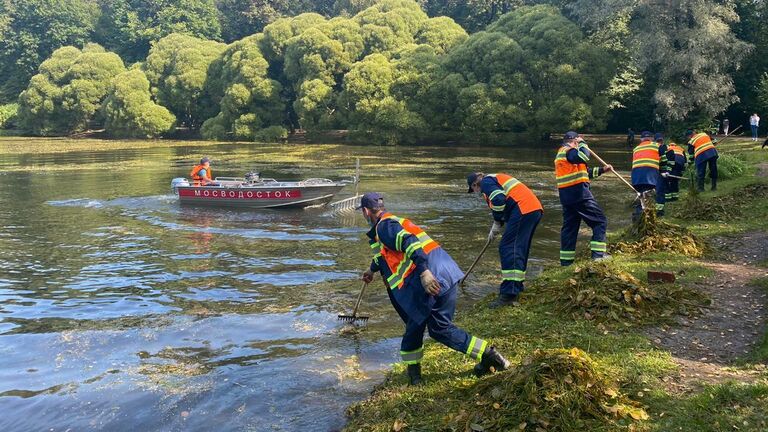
x,y
580,191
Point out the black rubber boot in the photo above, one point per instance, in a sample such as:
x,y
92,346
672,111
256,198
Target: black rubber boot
x,y
503,300
492,361
714,184
414,374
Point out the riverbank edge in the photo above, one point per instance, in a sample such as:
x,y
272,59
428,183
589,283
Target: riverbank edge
x,y
643,369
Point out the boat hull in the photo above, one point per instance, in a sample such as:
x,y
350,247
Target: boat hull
x,y
280,196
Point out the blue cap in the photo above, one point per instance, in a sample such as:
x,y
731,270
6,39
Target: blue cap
x,y
646,134
658,136
471,179
371,200
570,135
204,160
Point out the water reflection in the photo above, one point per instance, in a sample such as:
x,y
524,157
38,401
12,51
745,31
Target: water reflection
x,y
120,309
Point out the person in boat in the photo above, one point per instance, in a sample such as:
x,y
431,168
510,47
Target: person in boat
x,y
421,280
516,211
201,174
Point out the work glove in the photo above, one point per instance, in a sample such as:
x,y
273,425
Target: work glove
x,y
665,174
367,276
495,230
430,284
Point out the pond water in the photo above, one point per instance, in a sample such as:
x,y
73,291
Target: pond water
x,y
122,310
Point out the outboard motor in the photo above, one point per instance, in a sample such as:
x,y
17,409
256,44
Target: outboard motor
x,y
178,181
252,177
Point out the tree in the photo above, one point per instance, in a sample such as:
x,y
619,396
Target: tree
x,y
473,15
686,54
248,99
129,110
31,30
129,27
177,68
66,94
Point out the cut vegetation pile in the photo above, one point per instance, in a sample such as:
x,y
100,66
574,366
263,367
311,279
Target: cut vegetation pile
x,y
602,292
723,208
648,234
552,390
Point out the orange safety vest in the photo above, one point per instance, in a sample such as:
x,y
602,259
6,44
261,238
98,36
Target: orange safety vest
x,y
399,263
195,173
701,142
513,188
677,149
646,155
569,174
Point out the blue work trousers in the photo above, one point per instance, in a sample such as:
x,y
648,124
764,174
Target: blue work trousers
x,y
701,171
672,188
514,247
441,328
591,213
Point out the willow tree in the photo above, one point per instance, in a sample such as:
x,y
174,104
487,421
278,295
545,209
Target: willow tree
x,y
249,101
130,112
66,94
177,68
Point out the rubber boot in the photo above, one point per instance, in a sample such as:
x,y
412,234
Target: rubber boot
x,y
414,374
492,361
714,184
503,300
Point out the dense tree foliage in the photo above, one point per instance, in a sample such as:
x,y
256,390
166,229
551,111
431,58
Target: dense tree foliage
x,y
128,27
30,30
394,70
129,110
177,68
249,100
67,93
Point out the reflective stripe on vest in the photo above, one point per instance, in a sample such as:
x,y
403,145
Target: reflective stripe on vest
x,y
646,155
400,263
701,142
677,149
513,188
569,174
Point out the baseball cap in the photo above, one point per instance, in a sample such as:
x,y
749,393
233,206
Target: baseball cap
x,y
204,160
371,200
570,135
658,136
471,179
646,134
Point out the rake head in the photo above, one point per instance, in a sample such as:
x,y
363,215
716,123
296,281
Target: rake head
x,y
351,319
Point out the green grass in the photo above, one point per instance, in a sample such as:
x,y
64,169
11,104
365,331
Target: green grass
x,y
450,398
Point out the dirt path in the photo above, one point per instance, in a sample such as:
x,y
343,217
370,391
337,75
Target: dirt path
x,y
706,345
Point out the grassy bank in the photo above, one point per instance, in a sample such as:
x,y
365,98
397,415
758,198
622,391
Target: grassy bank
x,y
569,337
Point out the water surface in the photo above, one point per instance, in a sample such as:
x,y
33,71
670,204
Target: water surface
x,y
121,310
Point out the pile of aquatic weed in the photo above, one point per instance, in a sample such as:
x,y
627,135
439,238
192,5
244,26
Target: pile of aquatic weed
x,y
722,208
552,390
602,292
649,234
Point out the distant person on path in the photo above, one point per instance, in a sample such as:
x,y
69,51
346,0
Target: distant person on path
x,y
754,123
421,280
576,198
630,137
201,174
516,212
726,126
702,152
